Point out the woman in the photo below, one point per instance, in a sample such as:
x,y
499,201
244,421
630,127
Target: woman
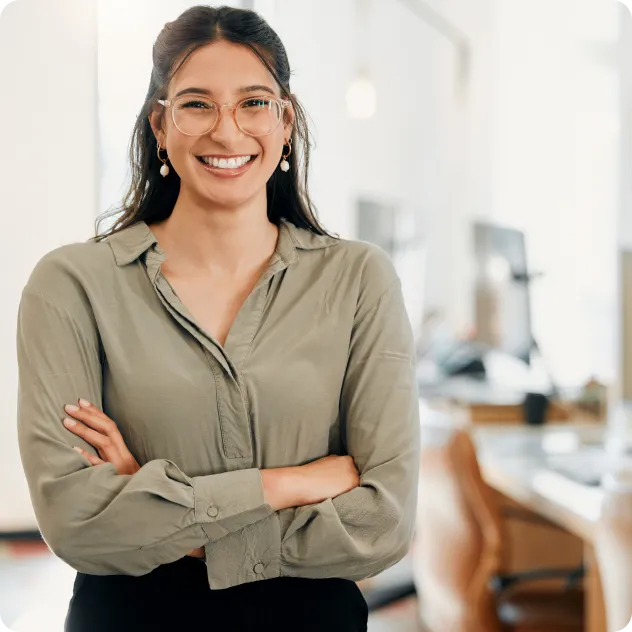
x,y
237,385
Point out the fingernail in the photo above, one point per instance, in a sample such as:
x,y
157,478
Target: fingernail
x,y
71,408
85,403
76,447
69,422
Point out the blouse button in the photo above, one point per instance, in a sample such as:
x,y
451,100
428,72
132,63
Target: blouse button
x,y
258,568
212,511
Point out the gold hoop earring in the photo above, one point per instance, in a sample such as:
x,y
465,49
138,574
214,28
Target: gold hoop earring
x,y
164,170
285,165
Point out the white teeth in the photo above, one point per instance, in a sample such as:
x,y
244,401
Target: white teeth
x,y
226,163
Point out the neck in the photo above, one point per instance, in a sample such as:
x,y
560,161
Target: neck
x,y
230,241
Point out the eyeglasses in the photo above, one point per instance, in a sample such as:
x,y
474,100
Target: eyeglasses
x,y
254,116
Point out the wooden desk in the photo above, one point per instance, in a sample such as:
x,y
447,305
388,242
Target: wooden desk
x,y
513,462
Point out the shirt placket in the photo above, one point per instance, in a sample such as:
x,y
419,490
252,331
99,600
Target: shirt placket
x,y
225,362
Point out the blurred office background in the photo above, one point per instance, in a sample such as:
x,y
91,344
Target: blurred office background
x,y
485,144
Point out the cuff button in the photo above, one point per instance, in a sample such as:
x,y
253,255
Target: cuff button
x,y
258,568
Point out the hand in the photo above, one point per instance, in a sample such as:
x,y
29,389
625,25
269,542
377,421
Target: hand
x,y
200,553
97,429
101,432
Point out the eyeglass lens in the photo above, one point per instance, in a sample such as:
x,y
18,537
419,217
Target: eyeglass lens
x,y
256,116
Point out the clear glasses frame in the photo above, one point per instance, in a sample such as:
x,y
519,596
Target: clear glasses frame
x,y
169,103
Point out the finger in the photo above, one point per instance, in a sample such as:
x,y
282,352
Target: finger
x,y
89,416
84,403
92,458
94,438
99,421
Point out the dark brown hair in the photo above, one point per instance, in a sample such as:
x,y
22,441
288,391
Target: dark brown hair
x,y
151,198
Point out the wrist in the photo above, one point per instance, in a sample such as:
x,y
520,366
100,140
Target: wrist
x,y
282,487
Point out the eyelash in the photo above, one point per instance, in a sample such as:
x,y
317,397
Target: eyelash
x,y
254,101
192,103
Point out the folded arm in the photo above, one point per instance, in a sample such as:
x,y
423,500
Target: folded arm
x,y
368,529
97,521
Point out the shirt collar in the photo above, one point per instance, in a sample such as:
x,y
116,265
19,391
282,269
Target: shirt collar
x,y
131,242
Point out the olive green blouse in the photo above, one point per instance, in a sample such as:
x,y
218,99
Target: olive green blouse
x,y
319,360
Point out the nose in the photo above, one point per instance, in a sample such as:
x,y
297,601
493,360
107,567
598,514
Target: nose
x,y
226,130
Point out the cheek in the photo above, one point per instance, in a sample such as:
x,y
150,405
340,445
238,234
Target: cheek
x,y
179,149
272,150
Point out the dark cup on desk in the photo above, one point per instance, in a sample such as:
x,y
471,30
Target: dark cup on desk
x,y
534,408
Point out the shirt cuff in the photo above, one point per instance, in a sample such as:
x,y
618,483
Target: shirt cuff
x,y
229,501
248,555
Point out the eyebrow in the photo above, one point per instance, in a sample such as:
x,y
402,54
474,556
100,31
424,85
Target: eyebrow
x,y
242,90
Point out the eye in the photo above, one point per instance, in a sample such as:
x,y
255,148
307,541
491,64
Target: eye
x,y
197,104
256,102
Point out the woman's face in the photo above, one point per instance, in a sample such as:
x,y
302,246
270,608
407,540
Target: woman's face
x,y
227,73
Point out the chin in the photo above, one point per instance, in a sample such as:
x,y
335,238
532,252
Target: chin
x,y
228,201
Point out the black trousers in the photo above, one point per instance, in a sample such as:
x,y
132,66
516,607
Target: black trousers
x,y
176,598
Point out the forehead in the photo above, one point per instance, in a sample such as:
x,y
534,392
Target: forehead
x,y
222,67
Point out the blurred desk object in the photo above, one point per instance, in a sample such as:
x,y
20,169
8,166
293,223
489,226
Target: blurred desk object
x,y
520,463
475,401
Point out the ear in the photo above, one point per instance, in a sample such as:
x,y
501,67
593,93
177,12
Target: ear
x,y
156,120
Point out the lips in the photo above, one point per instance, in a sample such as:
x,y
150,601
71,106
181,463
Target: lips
x,y
226,166
225,162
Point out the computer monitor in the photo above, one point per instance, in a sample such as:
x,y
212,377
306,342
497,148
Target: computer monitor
x,y
502,303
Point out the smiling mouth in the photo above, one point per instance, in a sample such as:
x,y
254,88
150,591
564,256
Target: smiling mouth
x,y
226,163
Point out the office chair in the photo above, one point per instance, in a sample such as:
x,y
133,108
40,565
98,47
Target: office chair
x,y
457,554
613,549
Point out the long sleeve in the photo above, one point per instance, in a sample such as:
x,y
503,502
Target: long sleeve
x,y
360,533
97,521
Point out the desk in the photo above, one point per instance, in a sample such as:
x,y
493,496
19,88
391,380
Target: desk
x,y
478,401
513,460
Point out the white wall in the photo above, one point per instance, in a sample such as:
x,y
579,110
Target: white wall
x,y
316,37
624,63
48,182
555,159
